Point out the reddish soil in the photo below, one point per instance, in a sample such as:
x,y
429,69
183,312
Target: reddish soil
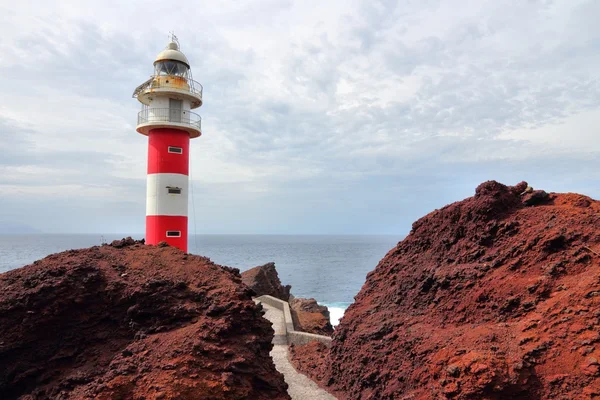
x,y
494,297
128,321
310,317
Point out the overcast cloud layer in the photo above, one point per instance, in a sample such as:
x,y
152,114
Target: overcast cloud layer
x,y
319,116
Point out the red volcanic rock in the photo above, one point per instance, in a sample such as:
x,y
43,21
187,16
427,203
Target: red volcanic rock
x,y
493,297
132,322
264,280
310,317
128,241
311,357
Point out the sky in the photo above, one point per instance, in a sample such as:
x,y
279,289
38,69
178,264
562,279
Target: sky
x,y
319,117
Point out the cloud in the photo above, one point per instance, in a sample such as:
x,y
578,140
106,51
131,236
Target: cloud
x,y
319,117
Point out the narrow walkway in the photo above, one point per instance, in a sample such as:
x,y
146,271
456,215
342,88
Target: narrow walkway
x,y
300,387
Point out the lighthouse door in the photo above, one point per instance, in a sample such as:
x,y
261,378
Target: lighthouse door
x,y
175,109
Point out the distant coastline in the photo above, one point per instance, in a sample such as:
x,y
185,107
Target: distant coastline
x,y
10,228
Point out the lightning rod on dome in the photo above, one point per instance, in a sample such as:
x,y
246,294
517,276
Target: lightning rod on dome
x,y
173,38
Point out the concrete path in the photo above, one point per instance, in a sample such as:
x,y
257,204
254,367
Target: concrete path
x,y
300,386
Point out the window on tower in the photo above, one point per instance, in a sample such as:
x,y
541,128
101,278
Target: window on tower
x,y
173,233
173,149
173,190
170,67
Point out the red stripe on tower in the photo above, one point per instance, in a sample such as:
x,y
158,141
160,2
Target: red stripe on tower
x,y
158,227
168,151
166,118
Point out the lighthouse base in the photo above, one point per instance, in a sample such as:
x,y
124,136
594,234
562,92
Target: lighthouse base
x,y
170,229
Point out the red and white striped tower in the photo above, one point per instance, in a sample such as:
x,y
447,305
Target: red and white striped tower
x,y
166,118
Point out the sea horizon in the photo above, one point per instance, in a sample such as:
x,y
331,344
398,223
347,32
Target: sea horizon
x,y
330,268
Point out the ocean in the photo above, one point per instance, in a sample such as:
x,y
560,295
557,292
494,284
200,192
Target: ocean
x,y
329,268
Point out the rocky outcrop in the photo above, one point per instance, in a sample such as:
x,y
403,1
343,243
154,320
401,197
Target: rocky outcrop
x,y
307,314
310,317
493,297
132,322
264,280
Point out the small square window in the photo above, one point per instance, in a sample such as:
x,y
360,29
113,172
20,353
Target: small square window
x,y
173,233
173,190
177,150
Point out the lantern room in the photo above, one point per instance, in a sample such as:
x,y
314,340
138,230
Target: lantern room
x,y
170,94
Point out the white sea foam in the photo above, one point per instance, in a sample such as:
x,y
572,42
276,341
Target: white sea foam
x,y
336,311
335,314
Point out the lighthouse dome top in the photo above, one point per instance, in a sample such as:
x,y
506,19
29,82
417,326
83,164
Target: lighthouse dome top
x,y
172,53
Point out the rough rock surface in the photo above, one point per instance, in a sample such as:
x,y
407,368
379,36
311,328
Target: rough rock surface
x,y
493,297
128,321
264,280
310,317
311,357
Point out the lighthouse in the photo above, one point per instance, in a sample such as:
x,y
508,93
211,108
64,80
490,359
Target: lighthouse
x,y
167,119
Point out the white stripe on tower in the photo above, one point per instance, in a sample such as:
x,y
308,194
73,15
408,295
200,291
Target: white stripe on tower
x,y
158,199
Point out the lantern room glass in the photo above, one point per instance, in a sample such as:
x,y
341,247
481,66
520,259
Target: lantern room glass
x,y
171,67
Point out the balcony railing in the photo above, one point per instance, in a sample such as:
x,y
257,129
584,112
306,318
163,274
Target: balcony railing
x,y
170,82
174,115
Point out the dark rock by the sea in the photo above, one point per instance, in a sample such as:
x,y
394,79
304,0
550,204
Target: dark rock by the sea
x,y
264,280
307,314
310,317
